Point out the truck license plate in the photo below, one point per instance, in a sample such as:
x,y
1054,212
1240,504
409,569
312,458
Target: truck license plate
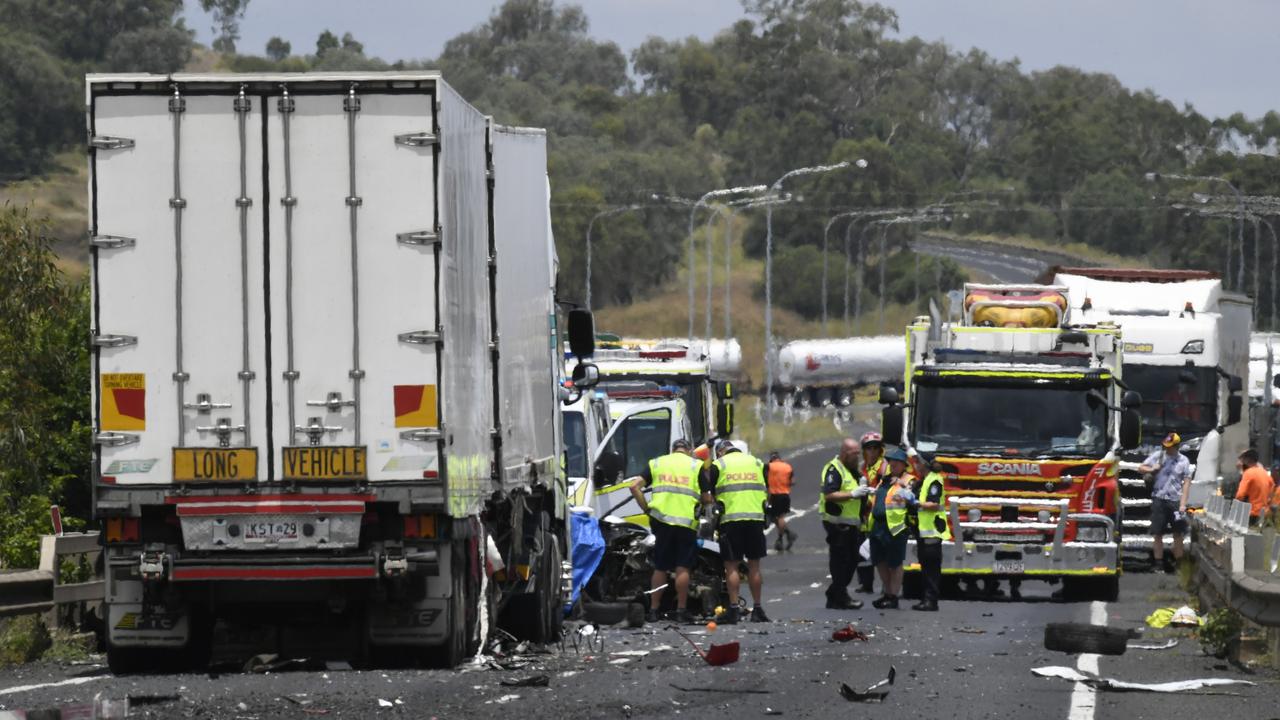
x,y
271,531
1008,567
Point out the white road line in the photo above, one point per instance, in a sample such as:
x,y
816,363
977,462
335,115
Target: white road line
x,y
1084,698
793,515
41,686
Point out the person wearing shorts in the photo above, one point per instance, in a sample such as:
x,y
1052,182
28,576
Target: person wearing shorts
x,y
893,498
737,482
1172,472
674,496
780,476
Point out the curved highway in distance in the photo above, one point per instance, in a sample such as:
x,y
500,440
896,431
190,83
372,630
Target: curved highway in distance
x,y
986,264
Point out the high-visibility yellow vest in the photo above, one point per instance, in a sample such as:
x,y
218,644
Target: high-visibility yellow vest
x,y
895,515
850,510
741,487
933,523
875,472
674,493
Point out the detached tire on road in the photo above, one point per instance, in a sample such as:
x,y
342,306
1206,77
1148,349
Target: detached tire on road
x,y
1084,638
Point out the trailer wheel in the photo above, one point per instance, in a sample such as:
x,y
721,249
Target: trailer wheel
x,y
1083,638
455,647
552,604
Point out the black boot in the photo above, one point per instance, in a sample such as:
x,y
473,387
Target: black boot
x,y
728,617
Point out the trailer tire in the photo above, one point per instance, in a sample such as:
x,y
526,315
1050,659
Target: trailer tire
x,y
552,603
1084,638
455,647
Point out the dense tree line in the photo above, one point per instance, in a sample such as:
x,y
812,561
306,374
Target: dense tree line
x,y
1060,153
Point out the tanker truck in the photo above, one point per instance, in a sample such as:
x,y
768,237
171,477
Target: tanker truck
x,y
326,363
1023,408
818,373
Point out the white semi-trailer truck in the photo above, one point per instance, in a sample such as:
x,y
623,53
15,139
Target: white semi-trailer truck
x,y
326,365
1186,351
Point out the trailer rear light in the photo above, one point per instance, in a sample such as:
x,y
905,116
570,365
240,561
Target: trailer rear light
x,y
419,527
122,529
430,475
109,479
663,354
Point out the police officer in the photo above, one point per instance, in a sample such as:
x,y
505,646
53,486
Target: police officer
x,y
672,508
737,482
933,529
841,511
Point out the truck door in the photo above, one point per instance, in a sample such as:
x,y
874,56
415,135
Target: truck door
x,y
177,251
353,285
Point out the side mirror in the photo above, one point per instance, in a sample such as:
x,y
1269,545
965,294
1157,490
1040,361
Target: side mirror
x,y
607,470
1130,429
1235,384
891,424
1186,377
1275,381
1131,399
585,375
724,418
582,333
888,396
1235,409
724,390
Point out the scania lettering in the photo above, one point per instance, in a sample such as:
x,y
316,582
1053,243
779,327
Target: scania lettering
x,y
1023,407
303,426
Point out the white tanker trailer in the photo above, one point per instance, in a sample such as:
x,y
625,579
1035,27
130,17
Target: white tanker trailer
x,y
725,356
825,372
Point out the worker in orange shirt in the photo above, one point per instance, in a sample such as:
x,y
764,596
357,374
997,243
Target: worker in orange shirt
x,y
780,476
1256,485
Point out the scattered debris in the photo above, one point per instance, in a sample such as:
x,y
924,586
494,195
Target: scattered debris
x,y
730,690
531,681
271,662
385,703
725,654
1102,683
1152,646
503,700
153,699
872,693
1178,617
970,630
1085,638
626,711
771,711
847,633
629,653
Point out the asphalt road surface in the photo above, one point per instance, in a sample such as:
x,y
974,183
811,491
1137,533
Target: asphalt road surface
x,y
973,659
1001,267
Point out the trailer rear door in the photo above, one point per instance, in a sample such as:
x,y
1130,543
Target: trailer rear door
x,y
177,238
355,331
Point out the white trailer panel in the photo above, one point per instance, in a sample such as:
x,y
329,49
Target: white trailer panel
x,y
528,406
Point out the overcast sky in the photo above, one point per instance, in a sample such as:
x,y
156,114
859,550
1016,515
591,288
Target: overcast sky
x,y
1220,55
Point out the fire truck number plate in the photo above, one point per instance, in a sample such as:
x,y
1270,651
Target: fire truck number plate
x,y
215,464
1009,567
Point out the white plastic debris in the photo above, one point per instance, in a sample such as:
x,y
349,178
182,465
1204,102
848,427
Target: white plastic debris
x,y
385,703
1101,683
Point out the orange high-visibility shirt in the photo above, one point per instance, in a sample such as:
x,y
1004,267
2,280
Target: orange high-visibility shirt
x,y
1256,486
780,478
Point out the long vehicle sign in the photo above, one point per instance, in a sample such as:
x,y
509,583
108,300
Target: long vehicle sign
x,y
215,464
325,463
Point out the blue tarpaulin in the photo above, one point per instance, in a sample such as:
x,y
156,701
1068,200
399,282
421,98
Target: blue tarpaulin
x,y
587,551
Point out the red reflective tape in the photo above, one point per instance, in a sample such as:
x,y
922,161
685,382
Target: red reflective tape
x,y
300,497
270,509
274,573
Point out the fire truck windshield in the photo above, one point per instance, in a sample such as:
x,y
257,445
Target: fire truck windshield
x,y
1175,397
1027,421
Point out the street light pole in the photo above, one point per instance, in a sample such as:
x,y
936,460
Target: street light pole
x,y
774,189
590,225
1240,205
701,202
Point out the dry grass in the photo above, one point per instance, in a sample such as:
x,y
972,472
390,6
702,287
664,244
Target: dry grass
x,y
665,313
62,197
